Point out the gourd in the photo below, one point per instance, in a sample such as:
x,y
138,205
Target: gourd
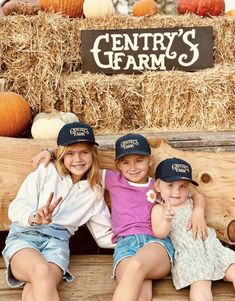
x,y
46,125
144,8
230,12
201,7
14,7
72,8
15,114
98,8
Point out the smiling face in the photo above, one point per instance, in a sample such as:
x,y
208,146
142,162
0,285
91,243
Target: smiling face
x,y
176,192
135,168
78,160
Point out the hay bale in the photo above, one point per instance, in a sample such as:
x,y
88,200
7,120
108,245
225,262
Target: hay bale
x,y
108,103
38,52
170,100
190,101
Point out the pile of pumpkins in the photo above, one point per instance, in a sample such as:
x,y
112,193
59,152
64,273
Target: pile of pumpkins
x,y
15,116
105,8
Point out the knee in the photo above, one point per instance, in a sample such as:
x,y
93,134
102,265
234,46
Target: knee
x,y
42,272
135,267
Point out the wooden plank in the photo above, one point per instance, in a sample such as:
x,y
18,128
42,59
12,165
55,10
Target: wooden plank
x,y
218,141
93,282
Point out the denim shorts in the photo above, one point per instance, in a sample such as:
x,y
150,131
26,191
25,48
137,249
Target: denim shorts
x,y
127,246
53,249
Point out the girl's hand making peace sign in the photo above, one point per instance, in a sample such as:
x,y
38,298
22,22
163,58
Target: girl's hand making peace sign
x,y
43,215
169,213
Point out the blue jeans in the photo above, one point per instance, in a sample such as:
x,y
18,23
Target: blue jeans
x,y
54,250
127,246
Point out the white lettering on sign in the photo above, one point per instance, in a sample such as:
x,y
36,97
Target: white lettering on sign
x,y
119,43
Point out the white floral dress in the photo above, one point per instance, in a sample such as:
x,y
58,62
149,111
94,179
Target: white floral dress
x,y
196,259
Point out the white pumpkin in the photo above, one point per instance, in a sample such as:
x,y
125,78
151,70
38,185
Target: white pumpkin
x,y
46,125
98,8
46,128
68,117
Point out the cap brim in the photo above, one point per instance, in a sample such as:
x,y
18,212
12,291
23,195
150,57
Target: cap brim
x,y
173,179
133,153
80,140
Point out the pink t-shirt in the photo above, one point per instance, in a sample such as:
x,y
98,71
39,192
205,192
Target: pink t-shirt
x,y
130,208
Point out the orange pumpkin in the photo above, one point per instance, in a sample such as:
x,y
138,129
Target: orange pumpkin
x,y
201,7
144,8
72,8
230,12
15,114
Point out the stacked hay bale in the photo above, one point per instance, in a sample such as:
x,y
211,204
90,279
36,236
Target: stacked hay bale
x,y
41,60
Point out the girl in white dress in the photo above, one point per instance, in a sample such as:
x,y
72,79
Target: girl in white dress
x,y
197,262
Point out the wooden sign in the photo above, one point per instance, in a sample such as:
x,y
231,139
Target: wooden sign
x,y
137,50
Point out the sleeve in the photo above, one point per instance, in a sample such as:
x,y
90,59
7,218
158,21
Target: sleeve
x,y
26,200
100,225
109,177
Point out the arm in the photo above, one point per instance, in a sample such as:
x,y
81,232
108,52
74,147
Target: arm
x,y
100,225
26,200
161,221
197,221
44,156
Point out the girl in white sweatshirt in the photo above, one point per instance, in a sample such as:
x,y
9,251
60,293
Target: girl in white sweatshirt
x,y
50,206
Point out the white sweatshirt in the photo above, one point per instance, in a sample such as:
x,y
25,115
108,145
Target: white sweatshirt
x,y
80,205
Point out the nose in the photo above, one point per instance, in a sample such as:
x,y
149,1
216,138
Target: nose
x,y
77,156
132,166
176,190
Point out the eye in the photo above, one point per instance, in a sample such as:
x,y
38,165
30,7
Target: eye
x,y
69,153
86,152
184,186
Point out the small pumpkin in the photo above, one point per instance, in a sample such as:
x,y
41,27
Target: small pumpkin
x,y
71,8
201,7
46,125
230,12
15,114
144,8
98,8
14,7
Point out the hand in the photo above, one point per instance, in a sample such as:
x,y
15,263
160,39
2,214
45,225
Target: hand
x,y
43,216
40,157
169,213
197,223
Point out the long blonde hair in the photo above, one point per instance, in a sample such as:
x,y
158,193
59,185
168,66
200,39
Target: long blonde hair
x,y
92,175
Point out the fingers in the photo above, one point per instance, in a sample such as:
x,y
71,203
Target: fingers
x,y
47,160
49,200
43,216
189,226
42,156
168,211
55,204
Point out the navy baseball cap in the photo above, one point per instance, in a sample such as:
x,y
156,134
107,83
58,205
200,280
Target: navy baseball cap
x,y
174,169
75,132
132,144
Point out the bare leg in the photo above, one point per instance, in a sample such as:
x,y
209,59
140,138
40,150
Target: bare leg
x,y
40,276
150,262
146,293
230,274
201,291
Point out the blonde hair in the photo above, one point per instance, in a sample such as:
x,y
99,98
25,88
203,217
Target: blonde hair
x,y
92,175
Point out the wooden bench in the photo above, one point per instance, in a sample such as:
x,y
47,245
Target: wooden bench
x,y
214,168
